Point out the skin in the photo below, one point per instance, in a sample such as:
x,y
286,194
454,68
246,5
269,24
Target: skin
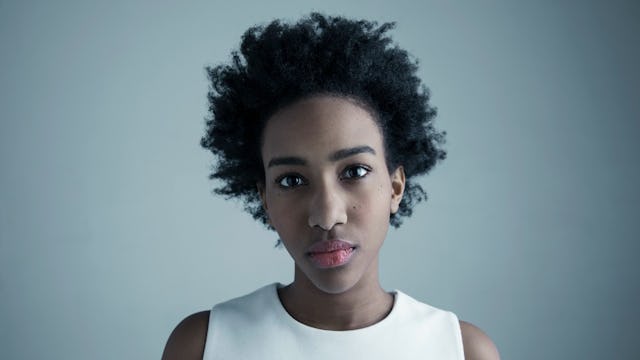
x,y
328,197
326,177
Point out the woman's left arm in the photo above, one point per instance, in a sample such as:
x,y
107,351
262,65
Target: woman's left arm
x,y
477,345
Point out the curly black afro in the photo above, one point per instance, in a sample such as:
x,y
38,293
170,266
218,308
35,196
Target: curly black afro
x,y
281,63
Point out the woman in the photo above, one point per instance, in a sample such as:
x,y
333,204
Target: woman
x,y
321,127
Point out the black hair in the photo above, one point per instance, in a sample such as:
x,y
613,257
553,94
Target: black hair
x,y
281,63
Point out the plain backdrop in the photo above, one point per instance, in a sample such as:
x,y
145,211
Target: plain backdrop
x,y
109,234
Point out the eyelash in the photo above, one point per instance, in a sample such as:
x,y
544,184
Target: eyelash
x,y
343,176
280,179
356,167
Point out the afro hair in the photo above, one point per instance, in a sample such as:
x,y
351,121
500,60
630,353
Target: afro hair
x,y
281,63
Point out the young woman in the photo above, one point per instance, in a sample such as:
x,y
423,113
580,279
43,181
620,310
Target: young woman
x,y
321,128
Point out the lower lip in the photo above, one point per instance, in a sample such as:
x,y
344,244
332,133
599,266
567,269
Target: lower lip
x,y
332,259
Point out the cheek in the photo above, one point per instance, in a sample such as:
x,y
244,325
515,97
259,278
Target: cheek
x,y
284,213
373,203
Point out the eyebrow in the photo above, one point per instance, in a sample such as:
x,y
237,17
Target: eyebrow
x,y
336,156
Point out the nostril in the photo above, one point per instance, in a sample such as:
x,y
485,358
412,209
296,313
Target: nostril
x,y
325,228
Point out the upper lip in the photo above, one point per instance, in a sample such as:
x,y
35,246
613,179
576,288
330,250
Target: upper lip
x,y
330,245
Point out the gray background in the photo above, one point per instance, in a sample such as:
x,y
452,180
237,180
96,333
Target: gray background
x,y
109,234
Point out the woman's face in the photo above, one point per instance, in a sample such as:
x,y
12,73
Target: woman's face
x,y
328,192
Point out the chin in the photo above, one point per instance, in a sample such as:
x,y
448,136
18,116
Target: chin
x,y
333,283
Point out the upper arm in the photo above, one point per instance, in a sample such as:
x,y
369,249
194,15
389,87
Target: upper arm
x,y
477,345
187,340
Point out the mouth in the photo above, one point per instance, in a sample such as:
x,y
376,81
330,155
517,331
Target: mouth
x,y
330,254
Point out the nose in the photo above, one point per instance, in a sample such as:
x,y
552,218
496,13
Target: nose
x,y
327,208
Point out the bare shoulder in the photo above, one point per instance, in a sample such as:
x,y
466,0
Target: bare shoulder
x,y
188,338
477,345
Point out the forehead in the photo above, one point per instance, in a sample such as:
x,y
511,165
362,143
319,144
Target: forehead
x,y
320,125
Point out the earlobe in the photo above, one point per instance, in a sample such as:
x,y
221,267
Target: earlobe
x,y
261,193
398,181
263,200
263,197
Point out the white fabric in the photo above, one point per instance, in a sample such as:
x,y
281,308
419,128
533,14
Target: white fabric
x,y
256,326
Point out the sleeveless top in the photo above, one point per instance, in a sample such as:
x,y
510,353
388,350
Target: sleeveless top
x,y
257,326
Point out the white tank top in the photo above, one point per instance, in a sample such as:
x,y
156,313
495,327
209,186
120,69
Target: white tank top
x,y
256,326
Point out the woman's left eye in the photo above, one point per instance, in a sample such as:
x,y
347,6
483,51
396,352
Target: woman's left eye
x,y
355,172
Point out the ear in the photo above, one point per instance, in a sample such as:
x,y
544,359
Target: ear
x,y
263,199
398,181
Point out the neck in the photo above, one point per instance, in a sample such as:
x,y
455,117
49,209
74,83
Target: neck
x,y
362,305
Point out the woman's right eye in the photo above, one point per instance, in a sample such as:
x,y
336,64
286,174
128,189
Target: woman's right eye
x,y
290,181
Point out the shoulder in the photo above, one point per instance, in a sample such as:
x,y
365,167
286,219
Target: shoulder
x,y
188,338
477,345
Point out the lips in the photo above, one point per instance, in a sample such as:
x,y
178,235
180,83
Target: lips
x,y
331,253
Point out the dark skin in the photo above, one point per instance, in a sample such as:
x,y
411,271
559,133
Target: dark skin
x,y
326,177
